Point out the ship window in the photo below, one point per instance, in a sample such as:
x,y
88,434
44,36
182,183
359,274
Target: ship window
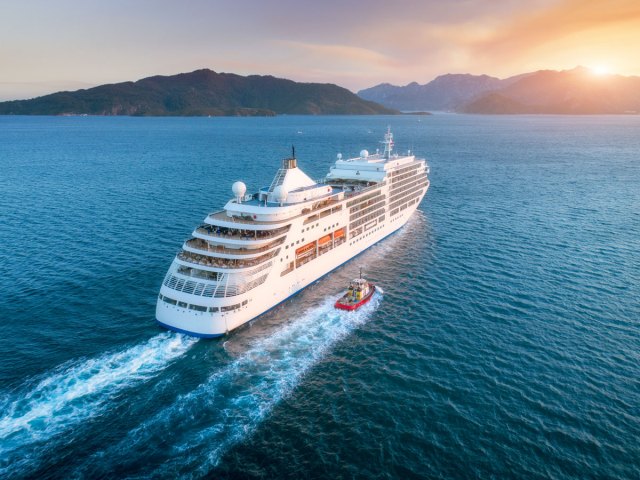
x,y
160,297
182,304
213,309
170,300
229,308
245,302
198,308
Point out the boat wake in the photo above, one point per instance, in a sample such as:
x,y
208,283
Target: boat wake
x,y
79,390
227,408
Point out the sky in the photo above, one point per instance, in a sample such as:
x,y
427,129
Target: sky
x,y
48,46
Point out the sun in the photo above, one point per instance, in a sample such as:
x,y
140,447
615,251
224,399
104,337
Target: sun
x,y
600,70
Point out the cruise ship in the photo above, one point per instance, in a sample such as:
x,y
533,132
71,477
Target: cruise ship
x,y
262,248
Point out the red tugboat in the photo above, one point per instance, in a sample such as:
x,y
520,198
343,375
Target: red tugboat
x,y
360,292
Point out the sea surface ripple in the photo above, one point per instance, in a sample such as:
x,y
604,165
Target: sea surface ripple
x,y
506,343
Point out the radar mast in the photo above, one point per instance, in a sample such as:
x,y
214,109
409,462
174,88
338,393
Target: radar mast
x,y
388,143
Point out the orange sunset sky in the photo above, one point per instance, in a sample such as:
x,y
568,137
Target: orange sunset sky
x,y
68,44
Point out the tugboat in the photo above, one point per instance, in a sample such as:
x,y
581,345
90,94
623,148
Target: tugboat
x,y
360,292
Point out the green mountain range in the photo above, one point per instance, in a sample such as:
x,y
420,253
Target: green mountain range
x,y
201,93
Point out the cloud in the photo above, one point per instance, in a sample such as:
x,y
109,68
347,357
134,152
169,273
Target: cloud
x,y
349,42
341,56
572,25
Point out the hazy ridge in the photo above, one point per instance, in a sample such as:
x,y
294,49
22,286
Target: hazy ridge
x,y
576,91
200,93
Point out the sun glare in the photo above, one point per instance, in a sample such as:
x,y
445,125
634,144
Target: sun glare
x,y
600,70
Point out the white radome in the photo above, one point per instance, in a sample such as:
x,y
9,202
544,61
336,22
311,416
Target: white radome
x,y
339,156
280,193
239,189
364,153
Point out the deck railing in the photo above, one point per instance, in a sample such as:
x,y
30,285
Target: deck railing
x,y
239,234
217,262
203,245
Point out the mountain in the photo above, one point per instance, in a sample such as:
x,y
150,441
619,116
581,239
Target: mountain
x,y
446,92
576,91
202,92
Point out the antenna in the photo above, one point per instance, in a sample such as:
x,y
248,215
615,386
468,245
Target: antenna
x,y
361,273
388,143
293,151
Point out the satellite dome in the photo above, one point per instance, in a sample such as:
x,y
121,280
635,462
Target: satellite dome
x,y
339,156
239,189
280,193
364,153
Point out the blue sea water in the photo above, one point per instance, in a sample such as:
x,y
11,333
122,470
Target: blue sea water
x,y
506,343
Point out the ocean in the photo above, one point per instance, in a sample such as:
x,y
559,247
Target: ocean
x,y
505,343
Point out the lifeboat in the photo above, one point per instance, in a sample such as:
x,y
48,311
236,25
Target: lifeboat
x,y
360,292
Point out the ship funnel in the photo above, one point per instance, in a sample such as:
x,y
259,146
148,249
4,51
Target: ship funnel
x,y
289,163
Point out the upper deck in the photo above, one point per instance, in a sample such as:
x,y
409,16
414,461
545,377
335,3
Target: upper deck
x,y
292,193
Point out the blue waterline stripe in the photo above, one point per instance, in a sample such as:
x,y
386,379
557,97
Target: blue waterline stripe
x,y
193,334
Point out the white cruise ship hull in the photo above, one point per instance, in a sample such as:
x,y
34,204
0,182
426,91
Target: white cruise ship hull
x,y
275,290
264,248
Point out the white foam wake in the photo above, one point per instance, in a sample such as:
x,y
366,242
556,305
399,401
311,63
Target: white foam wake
x,y
77,391
228,407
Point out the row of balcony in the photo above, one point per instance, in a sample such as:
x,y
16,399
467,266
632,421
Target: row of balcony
x,y
238,233
216,262
199,244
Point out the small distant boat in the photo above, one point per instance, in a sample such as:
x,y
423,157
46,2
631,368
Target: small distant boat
x,y
360,292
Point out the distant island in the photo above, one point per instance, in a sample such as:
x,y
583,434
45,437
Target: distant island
x,y
576,91
208,93
201,93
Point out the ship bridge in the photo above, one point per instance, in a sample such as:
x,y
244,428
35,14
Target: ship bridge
x,y
367,169
291,193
